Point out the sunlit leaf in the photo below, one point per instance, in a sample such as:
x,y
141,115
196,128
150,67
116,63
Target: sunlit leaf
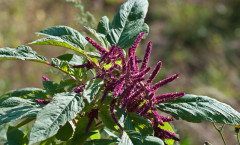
x,y
64,107
194,108
21,53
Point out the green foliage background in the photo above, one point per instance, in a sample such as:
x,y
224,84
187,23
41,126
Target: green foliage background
x,y
199,39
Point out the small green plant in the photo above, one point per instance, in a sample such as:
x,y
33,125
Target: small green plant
x,y
107,97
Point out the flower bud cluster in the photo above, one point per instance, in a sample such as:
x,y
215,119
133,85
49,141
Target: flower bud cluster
x,y
130,89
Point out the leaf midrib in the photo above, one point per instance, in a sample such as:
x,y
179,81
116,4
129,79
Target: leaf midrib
x,y
125,24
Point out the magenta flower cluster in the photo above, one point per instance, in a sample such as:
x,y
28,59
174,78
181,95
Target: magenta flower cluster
x,y
129,86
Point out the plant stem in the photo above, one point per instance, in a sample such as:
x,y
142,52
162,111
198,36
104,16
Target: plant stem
x,y
237,133
220,131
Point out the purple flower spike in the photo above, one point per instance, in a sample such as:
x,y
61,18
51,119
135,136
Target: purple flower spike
x,y
157,117
146,56
142,73
164,82
91,115
131,64
97,46
45,78
42,101
112,107
166,119
155,72
124,65
118,87
136,65
136,42
112,49
164,134
167,97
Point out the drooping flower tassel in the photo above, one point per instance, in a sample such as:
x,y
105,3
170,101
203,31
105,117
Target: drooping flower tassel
x,y
112,107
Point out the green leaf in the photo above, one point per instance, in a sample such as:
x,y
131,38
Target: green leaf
x,y
58,41
91,89
168,127
14,108
52,88
104,114
128,23
135,138
100,142
112,135
15,136
60,31
103,25
62,65
143,125
64,107
67,82
26,93
65,132
22,53
80,134
131,138
194,108
93,54
72,59
100,37
152,140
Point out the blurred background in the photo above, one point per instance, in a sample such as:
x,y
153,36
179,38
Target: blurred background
x,y
198,39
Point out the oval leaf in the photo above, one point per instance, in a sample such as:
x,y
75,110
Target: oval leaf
x,y
128,23
60,31
22,53
27,93
14,108
58,41
195,109
62,108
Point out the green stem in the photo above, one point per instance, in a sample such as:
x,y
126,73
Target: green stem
x,y
220,132
238,138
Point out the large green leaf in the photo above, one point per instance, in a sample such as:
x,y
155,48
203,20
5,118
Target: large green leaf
x,y
194,108
27,93
15,136
14,108
22,53
127,23
63,41
92,88
135,138
62,108
62,31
